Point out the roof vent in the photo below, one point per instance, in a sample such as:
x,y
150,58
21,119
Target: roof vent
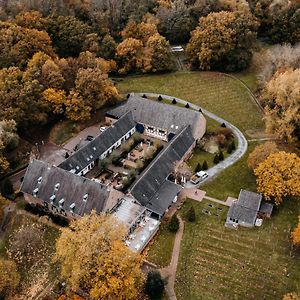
x,y
35,191
176,127
56,187
52,198
40,179
72,207
61,202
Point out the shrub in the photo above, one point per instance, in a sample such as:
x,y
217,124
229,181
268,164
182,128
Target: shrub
x,y
174,101
191,214
200,110
144,96
198,167
187,105
223,125
128,95
154,285
173,225
233,145
221,156
159,98
7,188
216,159
227,132
205,165
229,148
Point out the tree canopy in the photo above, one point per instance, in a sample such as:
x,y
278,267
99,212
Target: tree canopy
x,y
223,41
278,176
95,259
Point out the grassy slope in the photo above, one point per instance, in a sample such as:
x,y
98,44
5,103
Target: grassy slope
x,y
220,263
221,95
160,251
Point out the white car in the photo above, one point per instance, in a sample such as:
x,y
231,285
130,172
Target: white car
x,y
198,177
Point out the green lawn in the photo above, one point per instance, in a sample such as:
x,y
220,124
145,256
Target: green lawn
x,y
160,251
220,263
232,179
220,94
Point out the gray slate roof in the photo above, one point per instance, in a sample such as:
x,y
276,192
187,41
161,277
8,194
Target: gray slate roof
x,y
153,113
245,209
152,189
72,188
242,213
266,208
93,150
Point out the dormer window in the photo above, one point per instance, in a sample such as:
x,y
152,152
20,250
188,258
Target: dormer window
x,y
88,159
85,197
52,199
35,192
91,156
61,202
77,167
94,148
56,187
40,180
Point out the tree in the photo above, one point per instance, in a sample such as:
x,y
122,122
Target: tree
x,y
221,156
8,134
9,277
76,108
19,44
108,47
130,55
198,168
205,165
278,176
187,106
68,34
295,235
223,41
191,214
174,101
260,153
233,145
229,148
7,188
56,99
282,106
31,20
154,285
104,266
94,86
173,223
291,296
216,158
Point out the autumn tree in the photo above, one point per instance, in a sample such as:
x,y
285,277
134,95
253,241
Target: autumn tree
x,y
223,41
19,44
278,176
281,99
31,19
291,296
143,48
260,153
76,108
56,99
103,265
108,47
295,235
9,277
8,134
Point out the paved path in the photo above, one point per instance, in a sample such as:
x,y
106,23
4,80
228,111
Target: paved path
x,y
169,272
231,159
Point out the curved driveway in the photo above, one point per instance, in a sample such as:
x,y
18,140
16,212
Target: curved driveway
x,y
231,159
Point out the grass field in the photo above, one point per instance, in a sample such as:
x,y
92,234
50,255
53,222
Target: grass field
x,y
160,251
232,179
220,263
220,94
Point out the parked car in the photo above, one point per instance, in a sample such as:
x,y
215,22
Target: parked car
x,y
198,177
